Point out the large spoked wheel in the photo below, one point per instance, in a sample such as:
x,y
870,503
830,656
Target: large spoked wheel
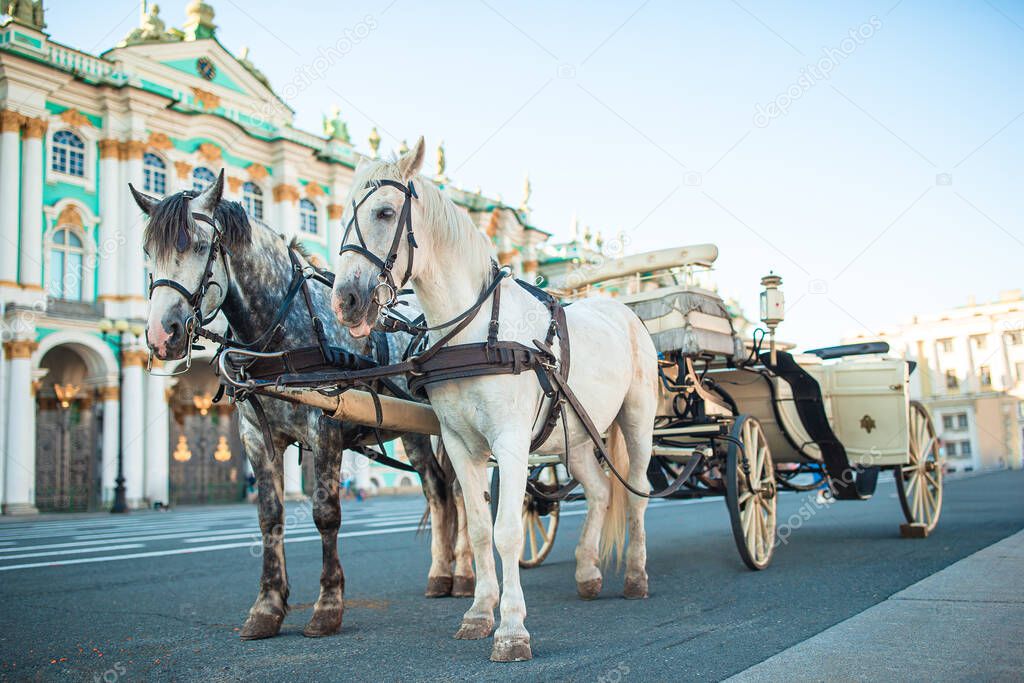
x,y
919,482
540,517
750,492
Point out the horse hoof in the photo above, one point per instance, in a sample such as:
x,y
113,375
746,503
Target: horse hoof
x,y
438,586
464,587
635,589
259,626
324,623
475,629
589,590
516,649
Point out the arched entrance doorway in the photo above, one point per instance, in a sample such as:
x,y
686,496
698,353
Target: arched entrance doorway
x,y
207,461
69,422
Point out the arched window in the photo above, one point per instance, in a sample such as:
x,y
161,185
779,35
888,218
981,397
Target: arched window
x,y
202,178
252,200
66,256
68,154
155,174
307,217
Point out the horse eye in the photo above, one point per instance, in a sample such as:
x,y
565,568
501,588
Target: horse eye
x,y
386,213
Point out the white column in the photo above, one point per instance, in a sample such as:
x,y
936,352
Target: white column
x,y
293,473
157,462
10,174
20,466
133,223
111,433
30,270
111,239
133,436
3,416
334,231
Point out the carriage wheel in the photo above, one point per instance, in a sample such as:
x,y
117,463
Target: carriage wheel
x,y
750,492
919,482
540,518
785,477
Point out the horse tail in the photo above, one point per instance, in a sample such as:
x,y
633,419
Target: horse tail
x,y
613,533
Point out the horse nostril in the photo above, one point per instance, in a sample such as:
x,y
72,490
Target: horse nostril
x,y
350,301
173,332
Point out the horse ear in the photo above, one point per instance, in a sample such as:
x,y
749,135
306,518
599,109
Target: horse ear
x,y
145,202
211,196
410,163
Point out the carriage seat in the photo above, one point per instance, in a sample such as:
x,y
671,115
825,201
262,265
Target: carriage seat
x,y
687,320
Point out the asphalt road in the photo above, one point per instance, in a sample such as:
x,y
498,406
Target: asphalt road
x,y
161,595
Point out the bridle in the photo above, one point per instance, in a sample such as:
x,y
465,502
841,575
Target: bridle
x,y
385,293
194,298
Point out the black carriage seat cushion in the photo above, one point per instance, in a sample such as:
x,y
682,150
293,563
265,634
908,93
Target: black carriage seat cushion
x,y
811,408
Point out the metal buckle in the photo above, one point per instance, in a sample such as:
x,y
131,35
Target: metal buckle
x,y
390,295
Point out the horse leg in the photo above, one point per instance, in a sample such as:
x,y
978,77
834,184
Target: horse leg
x,y
511,640
439,578
465,580
478,621
586,469
267,613
637,431
330,604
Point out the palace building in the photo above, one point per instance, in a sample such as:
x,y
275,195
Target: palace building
x,y
166,109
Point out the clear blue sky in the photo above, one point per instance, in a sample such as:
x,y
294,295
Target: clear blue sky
x,y
643,117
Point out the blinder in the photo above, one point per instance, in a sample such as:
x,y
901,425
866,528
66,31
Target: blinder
x,y
385,293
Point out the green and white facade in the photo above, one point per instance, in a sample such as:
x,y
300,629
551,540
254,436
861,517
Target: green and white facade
x,y
165,110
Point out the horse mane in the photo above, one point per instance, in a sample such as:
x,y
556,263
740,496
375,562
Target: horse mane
x,y
167,218
456,227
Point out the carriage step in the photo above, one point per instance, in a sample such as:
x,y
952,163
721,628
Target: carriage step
x,y
914,530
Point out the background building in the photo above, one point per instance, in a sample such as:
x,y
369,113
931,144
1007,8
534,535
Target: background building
x,y
970,374
166,109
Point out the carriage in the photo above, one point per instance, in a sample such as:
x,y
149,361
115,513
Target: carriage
x,y
735,420
743,423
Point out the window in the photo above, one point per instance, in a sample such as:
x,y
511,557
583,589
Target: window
x,y
66,257
946,345
68,154
985,376
307,217
1015,337
154,173
252,200
951,449
965,448
954,422
952,381
202,178
979,341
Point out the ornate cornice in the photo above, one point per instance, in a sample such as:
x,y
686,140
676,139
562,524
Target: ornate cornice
x,y
160,141
110,148
10,121
183,168
206,98
35,128
209,152
70,216
285,192
335,211
20,348
314,191
75,118
257,172
135,357
234,183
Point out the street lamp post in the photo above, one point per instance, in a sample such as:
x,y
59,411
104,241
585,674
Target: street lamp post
x,y
114,332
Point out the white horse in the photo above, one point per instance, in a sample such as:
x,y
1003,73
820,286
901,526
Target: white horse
x,y
613,371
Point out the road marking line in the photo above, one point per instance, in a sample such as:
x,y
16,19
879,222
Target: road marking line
x,y
106,548
189,551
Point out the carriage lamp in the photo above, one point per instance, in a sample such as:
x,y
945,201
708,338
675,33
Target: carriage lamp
x,y
223,452
66,393
203,403
182,453
773,307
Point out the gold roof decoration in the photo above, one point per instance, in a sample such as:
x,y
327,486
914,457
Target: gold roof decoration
x,y
199,21
151,29
374,141
335,128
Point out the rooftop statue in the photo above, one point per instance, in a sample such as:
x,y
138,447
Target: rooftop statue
x,y
243,59
151,28
26,12
335,128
